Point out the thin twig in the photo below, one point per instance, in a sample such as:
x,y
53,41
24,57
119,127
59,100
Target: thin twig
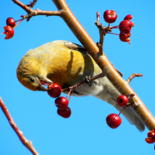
x,y
19,133
102,32
132,76
35,12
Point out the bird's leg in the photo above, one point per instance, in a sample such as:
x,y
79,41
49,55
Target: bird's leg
x,y
88,79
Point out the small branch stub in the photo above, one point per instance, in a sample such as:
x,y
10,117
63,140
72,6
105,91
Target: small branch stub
x,y
133,76
32,4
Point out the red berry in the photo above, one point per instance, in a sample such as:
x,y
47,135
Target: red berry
x,y
122,100
125,26
124,37
128,17
61,102
113,120
151,134
64,112
149,140
54,90
8,31
110,16
10,21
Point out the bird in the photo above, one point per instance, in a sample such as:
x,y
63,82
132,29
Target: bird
x,y
67,64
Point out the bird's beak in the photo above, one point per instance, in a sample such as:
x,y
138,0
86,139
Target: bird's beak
x,y
42,88
43,84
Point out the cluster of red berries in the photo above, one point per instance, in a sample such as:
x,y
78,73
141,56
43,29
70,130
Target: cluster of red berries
x,y
114,120
125,26
151,137
54,90
9,28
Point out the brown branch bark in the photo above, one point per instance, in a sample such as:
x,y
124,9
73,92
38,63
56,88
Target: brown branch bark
x,y
27,143
120,84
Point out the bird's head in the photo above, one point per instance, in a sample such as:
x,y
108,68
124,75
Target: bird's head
x,y
32,81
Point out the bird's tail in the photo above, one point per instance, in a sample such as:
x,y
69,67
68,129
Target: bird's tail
x,y
109,95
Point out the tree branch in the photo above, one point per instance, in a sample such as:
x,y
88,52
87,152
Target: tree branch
x,y
19,133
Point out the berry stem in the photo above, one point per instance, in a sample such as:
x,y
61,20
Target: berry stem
x,y
119,113
114,27
19,20
113,33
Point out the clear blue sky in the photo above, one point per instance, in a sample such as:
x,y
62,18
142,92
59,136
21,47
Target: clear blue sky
x,y
86,132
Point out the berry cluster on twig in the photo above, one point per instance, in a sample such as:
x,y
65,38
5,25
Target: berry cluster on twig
x,y
110,17
9,28
11,23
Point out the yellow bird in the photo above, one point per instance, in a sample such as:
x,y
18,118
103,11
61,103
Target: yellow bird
x,y
67,63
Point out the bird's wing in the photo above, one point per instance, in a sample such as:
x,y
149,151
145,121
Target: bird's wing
x,y
75,46
80,48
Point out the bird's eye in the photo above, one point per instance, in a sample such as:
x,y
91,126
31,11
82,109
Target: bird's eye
x,y
31,79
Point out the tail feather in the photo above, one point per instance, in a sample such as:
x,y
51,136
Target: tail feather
x,y
109,95
131,115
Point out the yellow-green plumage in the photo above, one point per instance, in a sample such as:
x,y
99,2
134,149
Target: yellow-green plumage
x,y
67,63
59,63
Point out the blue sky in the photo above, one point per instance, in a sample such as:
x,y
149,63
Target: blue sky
x,y
86,131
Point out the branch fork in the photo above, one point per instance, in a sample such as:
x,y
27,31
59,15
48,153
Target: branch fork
x,y
35,12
